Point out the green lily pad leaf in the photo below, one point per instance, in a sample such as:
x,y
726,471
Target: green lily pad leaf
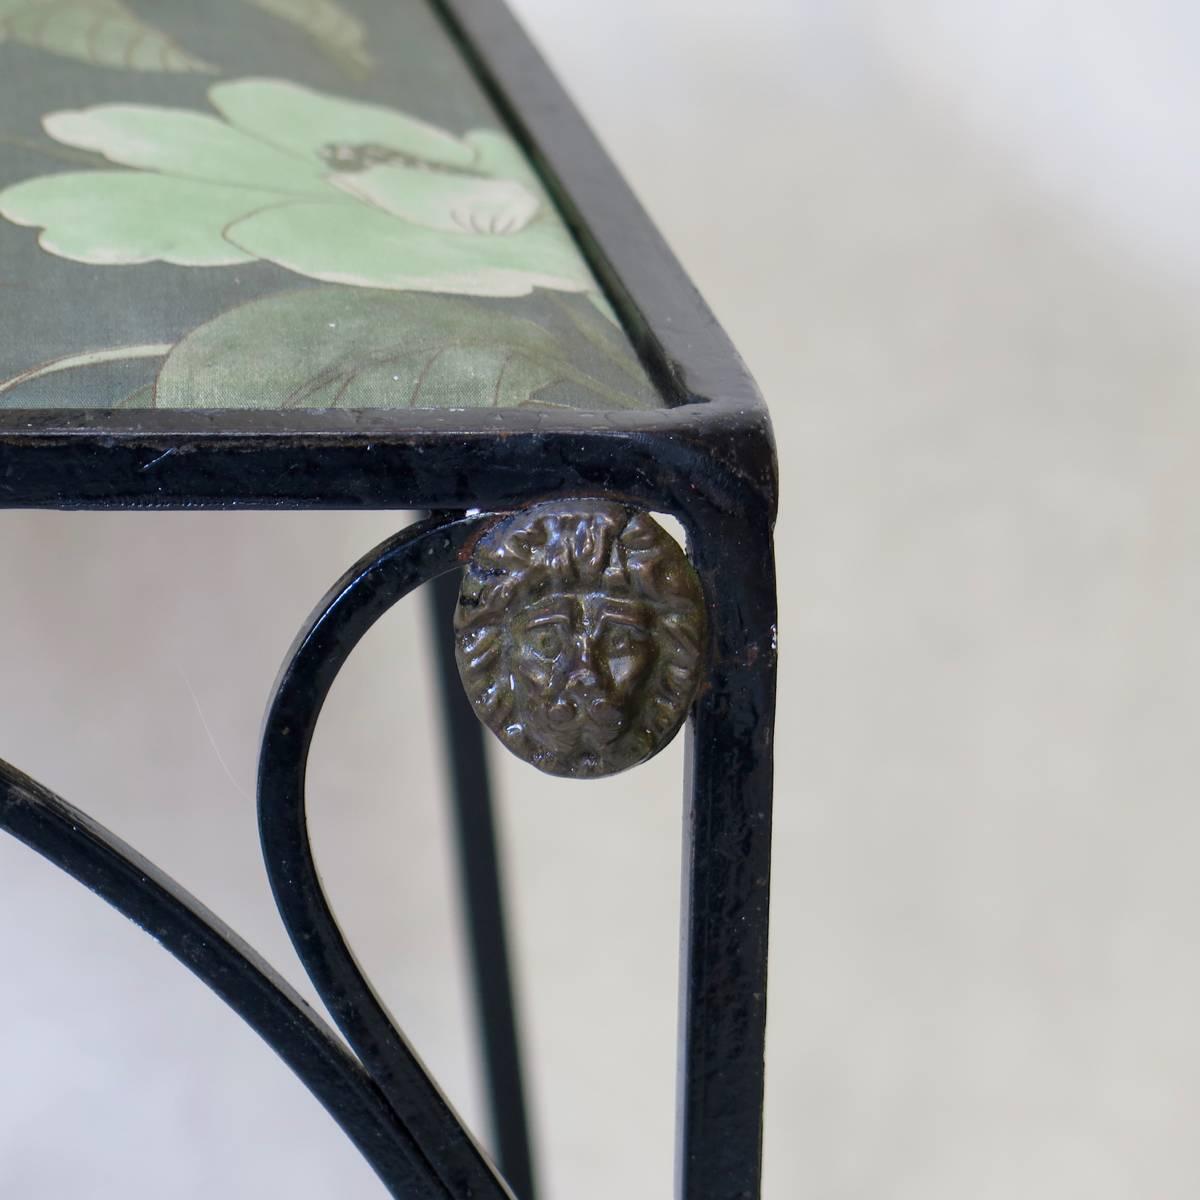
x,y
358,348
142,398
339,34
106,33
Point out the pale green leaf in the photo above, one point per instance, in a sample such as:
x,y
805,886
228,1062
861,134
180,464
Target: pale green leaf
x,y
111,217
188,144
329,25
106,33
364,246
306,122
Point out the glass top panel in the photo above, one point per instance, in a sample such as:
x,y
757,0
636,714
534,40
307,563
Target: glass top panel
x,y
278,204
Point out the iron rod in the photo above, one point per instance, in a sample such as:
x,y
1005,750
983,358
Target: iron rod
x,y
480,877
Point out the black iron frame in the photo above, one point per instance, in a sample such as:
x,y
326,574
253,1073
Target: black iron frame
x,y
706,459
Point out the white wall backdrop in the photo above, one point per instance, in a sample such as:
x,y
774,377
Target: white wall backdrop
x,y
956,241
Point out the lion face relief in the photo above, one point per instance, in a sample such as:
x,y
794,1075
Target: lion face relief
x,y
580,628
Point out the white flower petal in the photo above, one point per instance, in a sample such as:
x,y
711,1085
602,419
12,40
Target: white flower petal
x,y
442,200
498,155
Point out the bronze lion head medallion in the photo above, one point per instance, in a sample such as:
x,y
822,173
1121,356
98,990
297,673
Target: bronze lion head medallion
x,y
580,633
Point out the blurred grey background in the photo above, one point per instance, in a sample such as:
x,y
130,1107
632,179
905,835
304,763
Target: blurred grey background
x,y
957,242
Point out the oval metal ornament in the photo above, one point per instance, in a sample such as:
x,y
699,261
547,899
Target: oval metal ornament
x,y
579,635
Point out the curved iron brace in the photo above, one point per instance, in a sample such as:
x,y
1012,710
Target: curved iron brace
x,y
215,954
381,578
384,1099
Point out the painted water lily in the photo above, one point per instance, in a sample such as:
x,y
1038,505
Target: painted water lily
x,y
333,189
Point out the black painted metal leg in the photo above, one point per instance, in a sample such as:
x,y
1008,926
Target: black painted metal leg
x,y
727,844
463,737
